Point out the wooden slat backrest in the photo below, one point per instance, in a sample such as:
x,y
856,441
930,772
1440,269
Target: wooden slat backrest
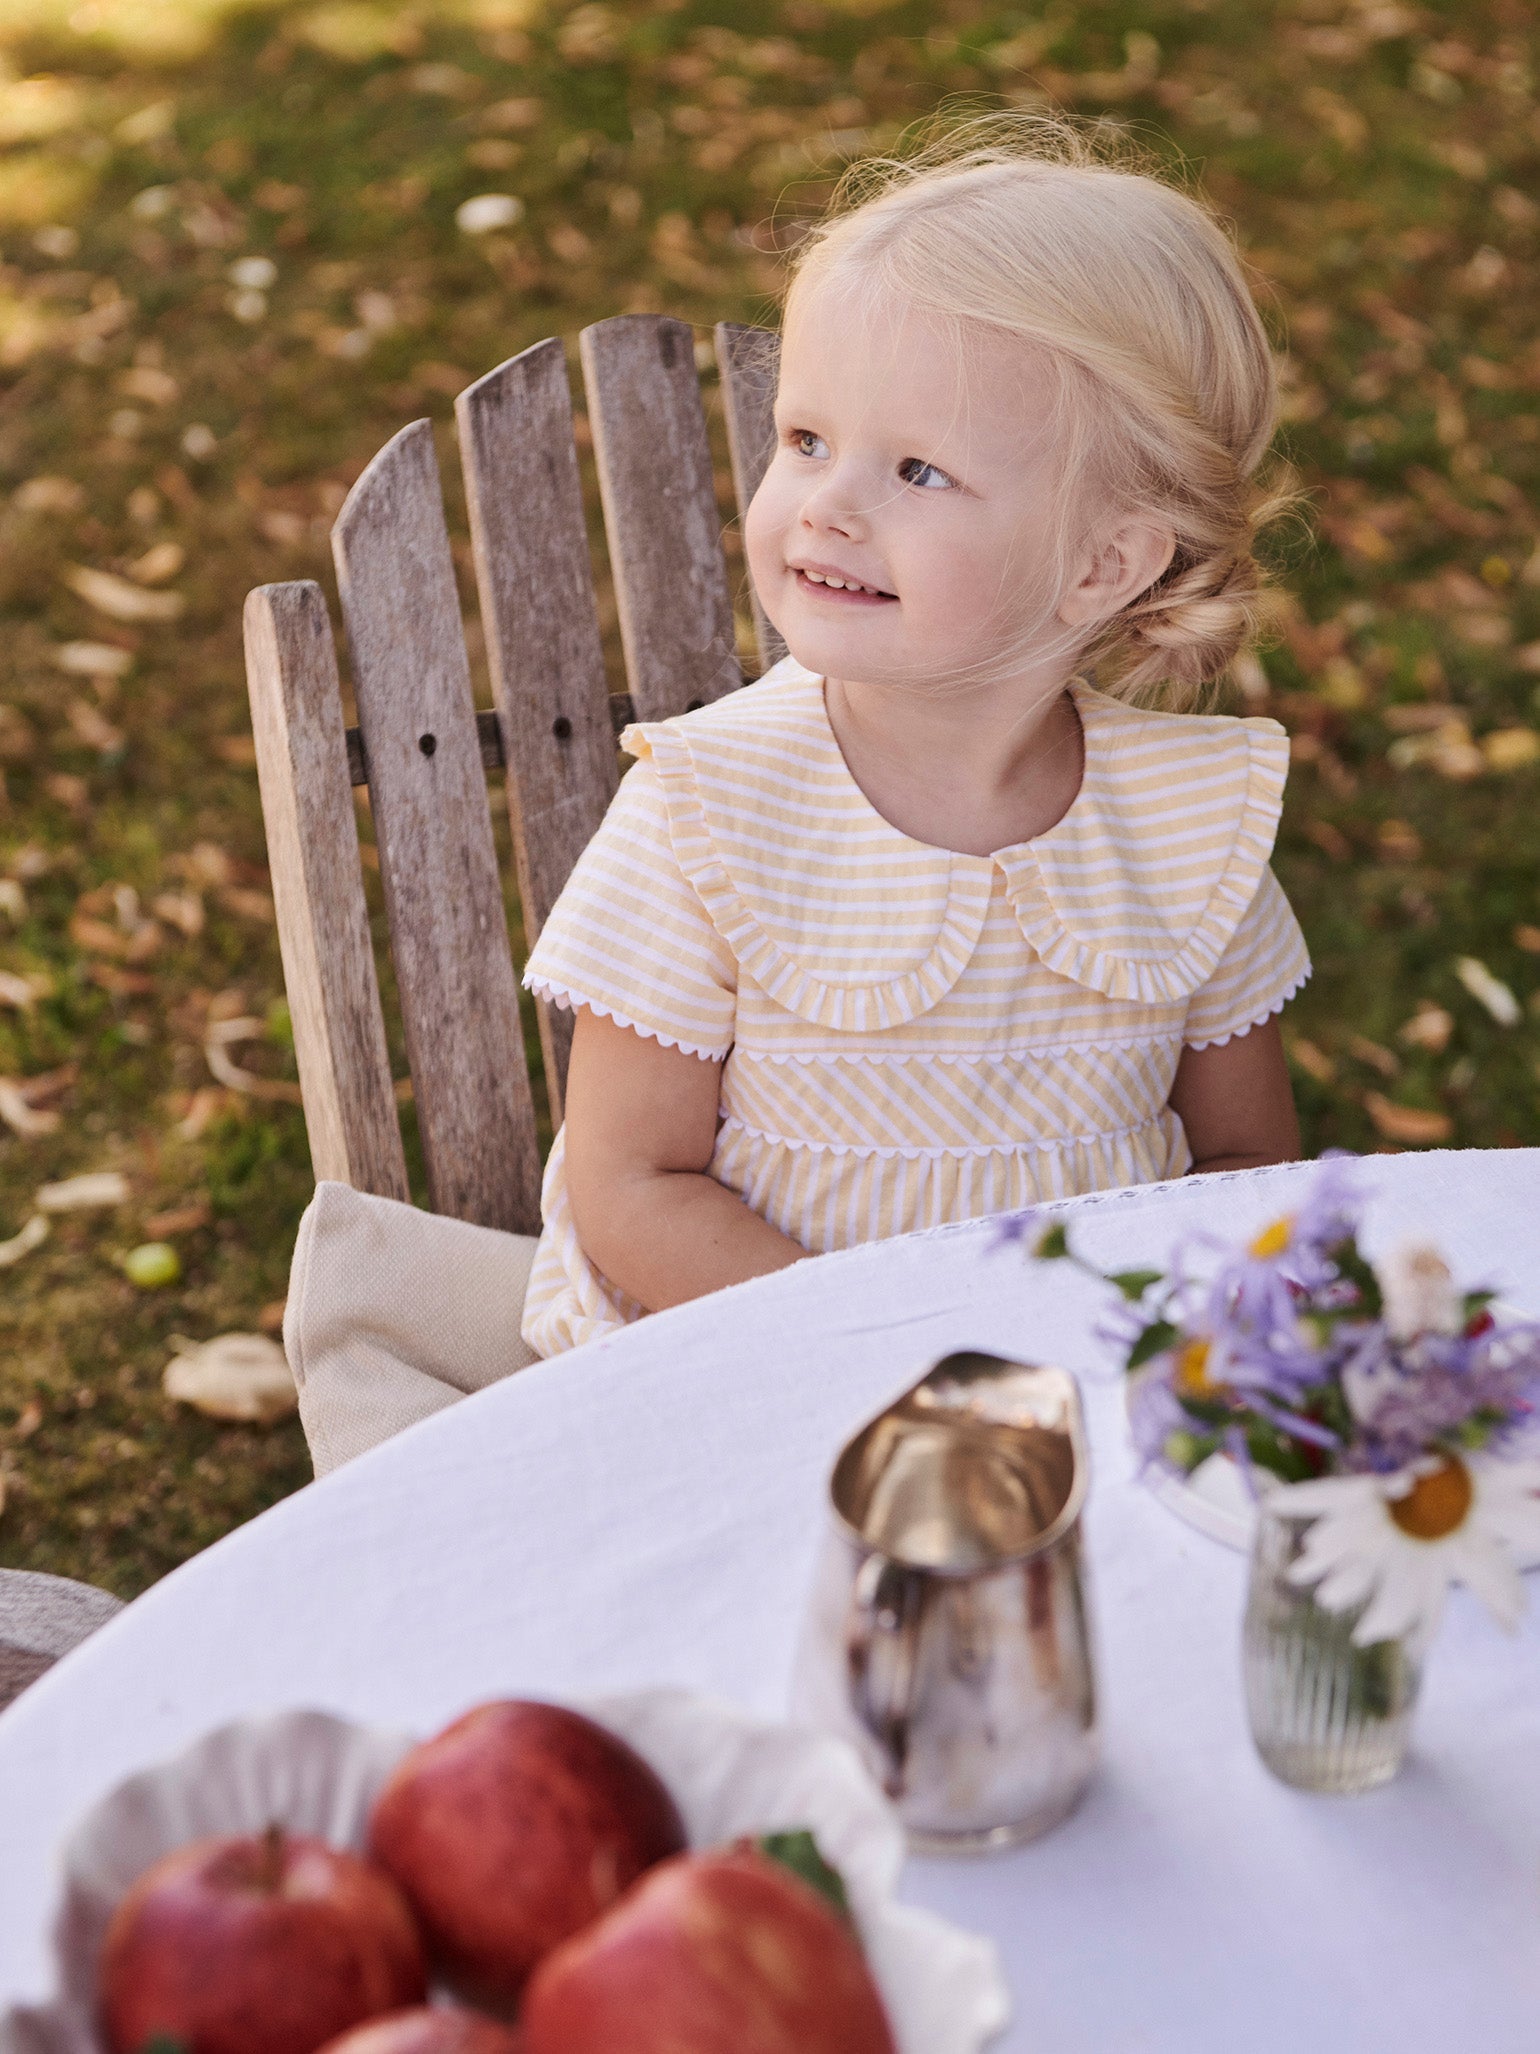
x,y
544,649
422,748
438,864
653,456
323,922
747,362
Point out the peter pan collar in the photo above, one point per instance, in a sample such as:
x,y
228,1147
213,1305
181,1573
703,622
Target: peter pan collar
x,y
851,924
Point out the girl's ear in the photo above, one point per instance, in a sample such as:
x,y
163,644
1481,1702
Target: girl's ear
x,y
1116,568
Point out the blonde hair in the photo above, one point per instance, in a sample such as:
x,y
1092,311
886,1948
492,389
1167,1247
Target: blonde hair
x,y
1167,384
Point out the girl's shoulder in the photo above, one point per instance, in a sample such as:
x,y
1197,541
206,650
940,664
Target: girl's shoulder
x,y
785,705
1135,730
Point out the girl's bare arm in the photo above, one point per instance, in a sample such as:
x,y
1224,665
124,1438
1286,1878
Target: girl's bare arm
x,y
1236,1102
641,1124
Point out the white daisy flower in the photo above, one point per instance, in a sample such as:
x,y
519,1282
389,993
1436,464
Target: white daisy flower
x,y
1394,1544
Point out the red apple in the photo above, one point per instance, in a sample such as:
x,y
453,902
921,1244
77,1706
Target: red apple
x,y
723,1953
271,1944
513,1828
429,2029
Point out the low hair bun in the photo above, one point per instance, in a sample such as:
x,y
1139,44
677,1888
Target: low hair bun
x,y
1186,630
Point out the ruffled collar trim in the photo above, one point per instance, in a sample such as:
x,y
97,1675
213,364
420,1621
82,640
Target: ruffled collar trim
x,y
852,924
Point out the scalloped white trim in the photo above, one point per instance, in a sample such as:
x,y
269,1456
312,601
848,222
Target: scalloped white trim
x,y
569,1001
1221,1040
927,1154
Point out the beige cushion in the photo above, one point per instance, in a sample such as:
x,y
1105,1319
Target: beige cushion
x,y
395,1313
41,1618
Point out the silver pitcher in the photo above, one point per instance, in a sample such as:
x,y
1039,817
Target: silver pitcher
x,y
948,1635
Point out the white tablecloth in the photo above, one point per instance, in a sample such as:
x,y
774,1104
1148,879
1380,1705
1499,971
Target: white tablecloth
x,y
645,1512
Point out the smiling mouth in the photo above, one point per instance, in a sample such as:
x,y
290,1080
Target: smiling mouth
x,y
841,591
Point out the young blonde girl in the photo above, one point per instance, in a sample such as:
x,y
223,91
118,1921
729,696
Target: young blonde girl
x,y
921,926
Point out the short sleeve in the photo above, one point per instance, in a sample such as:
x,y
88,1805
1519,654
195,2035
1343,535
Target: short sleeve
x,y
629,937
1262,967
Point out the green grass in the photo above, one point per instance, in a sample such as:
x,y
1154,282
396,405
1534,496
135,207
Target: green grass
x,y
1378,162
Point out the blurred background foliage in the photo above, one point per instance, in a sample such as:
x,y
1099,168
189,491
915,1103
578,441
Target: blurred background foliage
x,y
235,256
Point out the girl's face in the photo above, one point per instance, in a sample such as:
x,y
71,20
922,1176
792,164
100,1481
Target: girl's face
x,y
907,529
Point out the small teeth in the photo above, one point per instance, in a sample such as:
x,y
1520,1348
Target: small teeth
x,y
839,584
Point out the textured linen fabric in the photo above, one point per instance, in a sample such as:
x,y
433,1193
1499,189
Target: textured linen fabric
x,y
647,1516
393,1314
42,1618
909,1036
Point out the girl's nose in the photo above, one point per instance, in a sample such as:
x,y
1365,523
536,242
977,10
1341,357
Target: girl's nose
x,y
833,507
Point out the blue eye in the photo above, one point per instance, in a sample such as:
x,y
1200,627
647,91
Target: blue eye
x,y
913,471
801,437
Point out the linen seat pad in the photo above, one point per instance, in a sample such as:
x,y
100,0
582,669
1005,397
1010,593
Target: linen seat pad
x,y
42,1618
395,1313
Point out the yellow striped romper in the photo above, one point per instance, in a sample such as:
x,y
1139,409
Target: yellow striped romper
x,y
909,1036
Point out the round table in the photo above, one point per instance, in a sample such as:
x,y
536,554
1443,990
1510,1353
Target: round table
x,y
645,1511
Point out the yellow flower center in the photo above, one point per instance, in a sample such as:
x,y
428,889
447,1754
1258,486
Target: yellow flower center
x,y
1436,1503
1192,1377
1274,1239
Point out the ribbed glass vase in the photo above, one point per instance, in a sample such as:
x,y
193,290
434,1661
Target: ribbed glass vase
x,y
1325,1714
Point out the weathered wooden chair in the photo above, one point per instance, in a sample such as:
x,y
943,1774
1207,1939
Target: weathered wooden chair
x,y
424,752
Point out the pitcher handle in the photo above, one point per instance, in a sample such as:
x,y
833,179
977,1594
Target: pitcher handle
x,y
887,1612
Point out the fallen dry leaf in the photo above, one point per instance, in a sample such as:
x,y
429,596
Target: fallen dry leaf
x,y
1429,1027
47,1084
93,1188
247,904
49,495
72,793
1511,748
1398,841
92,659
1315,1062
158,564
1488,991
119,599
1447,749
1405,1122
240,1377
223,1029
96,936
1331,841
120,983
16,991
92,727
220,1036
21,1117
32,1235
205,864
145,381
284,527
180,909
1375,1054
203,1108
178,1219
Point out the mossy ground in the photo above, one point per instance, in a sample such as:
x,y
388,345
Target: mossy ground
x,y
1379,162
